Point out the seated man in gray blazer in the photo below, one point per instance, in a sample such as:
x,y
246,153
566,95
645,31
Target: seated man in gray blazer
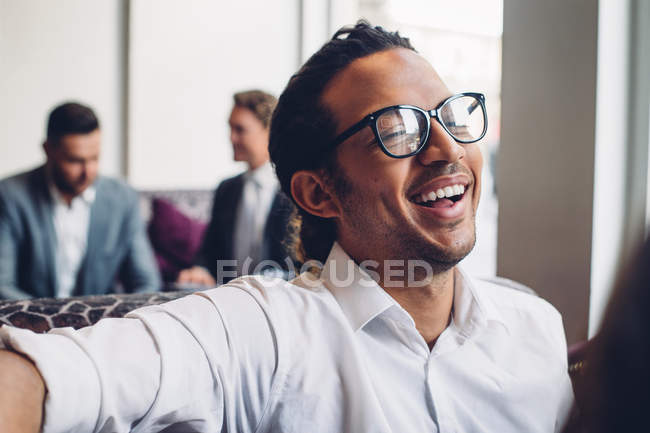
x,y
66,231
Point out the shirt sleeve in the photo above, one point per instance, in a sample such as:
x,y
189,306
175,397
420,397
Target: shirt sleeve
x,y
566,399
204,362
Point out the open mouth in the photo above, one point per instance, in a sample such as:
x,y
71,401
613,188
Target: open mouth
x,y
440,198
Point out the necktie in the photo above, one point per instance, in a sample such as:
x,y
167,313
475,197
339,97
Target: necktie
x,y
248,234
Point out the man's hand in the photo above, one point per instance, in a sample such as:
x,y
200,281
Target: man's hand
x,y
22,393
196,275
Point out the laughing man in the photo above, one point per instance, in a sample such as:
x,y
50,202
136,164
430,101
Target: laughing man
x,y
390,336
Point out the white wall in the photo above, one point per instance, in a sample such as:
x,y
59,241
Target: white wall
x,y
315,22
160,76
54,51
186,60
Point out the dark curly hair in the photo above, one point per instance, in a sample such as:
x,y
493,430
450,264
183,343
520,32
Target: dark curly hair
x,y
302,128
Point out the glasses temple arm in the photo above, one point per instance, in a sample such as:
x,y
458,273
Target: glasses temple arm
x,y
473,106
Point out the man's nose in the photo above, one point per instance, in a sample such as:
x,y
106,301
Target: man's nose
x,y
234,137
441,147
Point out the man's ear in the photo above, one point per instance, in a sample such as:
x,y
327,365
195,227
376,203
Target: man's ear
x,y
47,148
310,191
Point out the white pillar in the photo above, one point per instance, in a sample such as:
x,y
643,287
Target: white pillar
x,y
573,167
546,156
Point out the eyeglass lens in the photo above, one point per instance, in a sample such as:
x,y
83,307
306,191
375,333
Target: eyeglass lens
x,y
463,117
403,130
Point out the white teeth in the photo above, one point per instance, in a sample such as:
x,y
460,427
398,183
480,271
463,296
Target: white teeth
x,y
448,191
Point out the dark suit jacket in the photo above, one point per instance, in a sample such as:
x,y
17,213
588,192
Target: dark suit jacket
x,y
117,247
218,239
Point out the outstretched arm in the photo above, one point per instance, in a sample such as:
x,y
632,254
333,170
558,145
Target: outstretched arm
x,y
22,396
186,365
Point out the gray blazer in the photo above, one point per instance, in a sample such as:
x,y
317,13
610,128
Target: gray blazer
x,y
117,248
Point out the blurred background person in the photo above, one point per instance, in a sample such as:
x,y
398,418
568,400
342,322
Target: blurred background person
x,y
612,389
66,231
250,214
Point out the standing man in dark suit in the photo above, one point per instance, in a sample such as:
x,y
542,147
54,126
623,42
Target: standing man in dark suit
x,y
250,214
66,231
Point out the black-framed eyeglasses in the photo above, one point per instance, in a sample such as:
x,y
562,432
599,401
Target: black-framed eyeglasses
x,y
403,130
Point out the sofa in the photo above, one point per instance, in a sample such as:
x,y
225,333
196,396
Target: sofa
x,y
176,221
41,315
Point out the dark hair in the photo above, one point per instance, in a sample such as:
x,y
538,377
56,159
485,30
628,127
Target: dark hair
x,y
260,103
302,128
70,118
613,391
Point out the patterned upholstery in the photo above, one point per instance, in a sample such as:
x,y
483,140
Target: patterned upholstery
x,y
196,204
40,315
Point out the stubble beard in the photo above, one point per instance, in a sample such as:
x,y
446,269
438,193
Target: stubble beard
x,y
405,244
440,259
62,184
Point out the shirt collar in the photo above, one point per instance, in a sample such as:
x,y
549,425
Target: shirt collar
x,y
362,299
89,194
473,308
359,296
263,176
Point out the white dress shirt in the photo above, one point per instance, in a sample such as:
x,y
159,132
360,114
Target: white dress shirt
x,y
318,354
260,187
71,224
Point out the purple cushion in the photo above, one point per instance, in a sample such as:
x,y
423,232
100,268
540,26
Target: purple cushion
x,y
175,238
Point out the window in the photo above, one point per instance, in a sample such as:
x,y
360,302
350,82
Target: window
x,y
463,44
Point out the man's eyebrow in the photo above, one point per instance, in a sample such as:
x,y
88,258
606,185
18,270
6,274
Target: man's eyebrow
x,y
365,136
444,98
368,140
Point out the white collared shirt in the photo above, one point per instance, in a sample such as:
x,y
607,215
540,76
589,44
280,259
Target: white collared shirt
x,y
71,228
258,192
327,354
